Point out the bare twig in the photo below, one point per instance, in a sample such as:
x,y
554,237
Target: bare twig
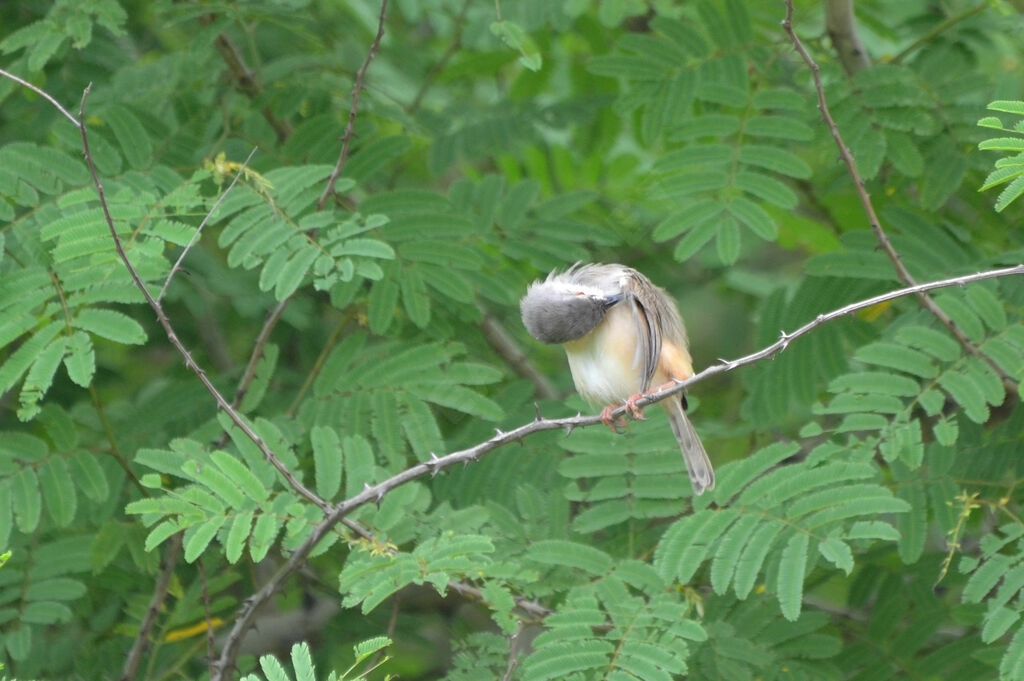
x,y
436,464
442,63
357,88
247,81
172,550
865,199
506,346
172,336
938,29
529,607
43,94
378,657
257,351
841,25
513,652
195,237
210,644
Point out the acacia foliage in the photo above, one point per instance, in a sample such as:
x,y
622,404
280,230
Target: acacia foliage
x,y
870,460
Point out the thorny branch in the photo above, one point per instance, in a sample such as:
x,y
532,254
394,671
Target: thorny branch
x,y
277,312
357,88
172,550
172,336
436,464
199,229
865,199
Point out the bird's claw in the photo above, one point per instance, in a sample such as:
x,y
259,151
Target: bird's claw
x,y
632,408
614,424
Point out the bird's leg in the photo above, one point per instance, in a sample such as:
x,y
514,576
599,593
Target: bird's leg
x,y
606,418
633,410
638,412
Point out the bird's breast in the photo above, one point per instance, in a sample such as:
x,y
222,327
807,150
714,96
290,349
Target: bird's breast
x,y
603,362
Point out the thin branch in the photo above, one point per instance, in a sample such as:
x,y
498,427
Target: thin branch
x,y
172,336
505,345
865,199
257,351
513,652
210,643
357,88
530,607
841,25
436,464
938,29
318,364
247,81
195,237
378,657
43,94
442,63
170,560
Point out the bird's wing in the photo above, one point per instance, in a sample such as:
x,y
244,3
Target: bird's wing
x,y
644,302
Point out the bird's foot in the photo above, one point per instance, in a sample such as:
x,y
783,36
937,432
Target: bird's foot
x,y
632,408
614,424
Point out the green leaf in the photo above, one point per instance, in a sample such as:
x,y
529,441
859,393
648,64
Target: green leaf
x,y
263,534
570,554
365,649
792,565
327,458
302,661
766,188
754,217
1003,144
1007,106
40,377
26,500
89,476
515,37
726,557
837,552
58,490
109,324
1011,193
752,559
80,361
899,357
381,305
728,241
967,394
131,136
414,297
675,224
695,239
685,544
237,536
240,475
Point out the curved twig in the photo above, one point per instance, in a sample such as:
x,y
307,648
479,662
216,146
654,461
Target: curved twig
x,y
436,464
876,225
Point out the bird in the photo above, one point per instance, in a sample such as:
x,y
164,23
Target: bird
x,y
622,334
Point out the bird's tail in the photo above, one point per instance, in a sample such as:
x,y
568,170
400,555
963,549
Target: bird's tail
x,y
698,465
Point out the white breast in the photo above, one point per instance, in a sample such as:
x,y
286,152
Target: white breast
x,y
603,362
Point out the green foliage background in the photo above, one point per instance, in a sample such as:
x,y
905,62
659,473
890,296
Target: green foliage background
x,y
867,519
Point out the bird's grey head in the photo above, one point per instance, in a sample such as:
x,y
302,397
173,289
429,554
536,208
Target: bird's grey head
x,y
560,309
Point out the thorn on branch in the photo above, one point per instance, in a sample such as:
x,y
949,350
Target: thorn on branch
x,y
536,408
434,465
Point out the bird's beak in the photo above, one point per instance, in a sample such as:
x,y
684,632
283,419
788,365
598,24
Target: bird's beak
x,y
608,301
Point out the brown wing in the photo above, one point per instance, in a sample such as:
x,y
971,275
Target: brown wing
x,y
658,324
644,302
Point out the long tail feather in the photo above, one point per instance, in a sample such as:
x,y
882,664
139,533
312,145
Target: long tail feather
x,y
698,465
